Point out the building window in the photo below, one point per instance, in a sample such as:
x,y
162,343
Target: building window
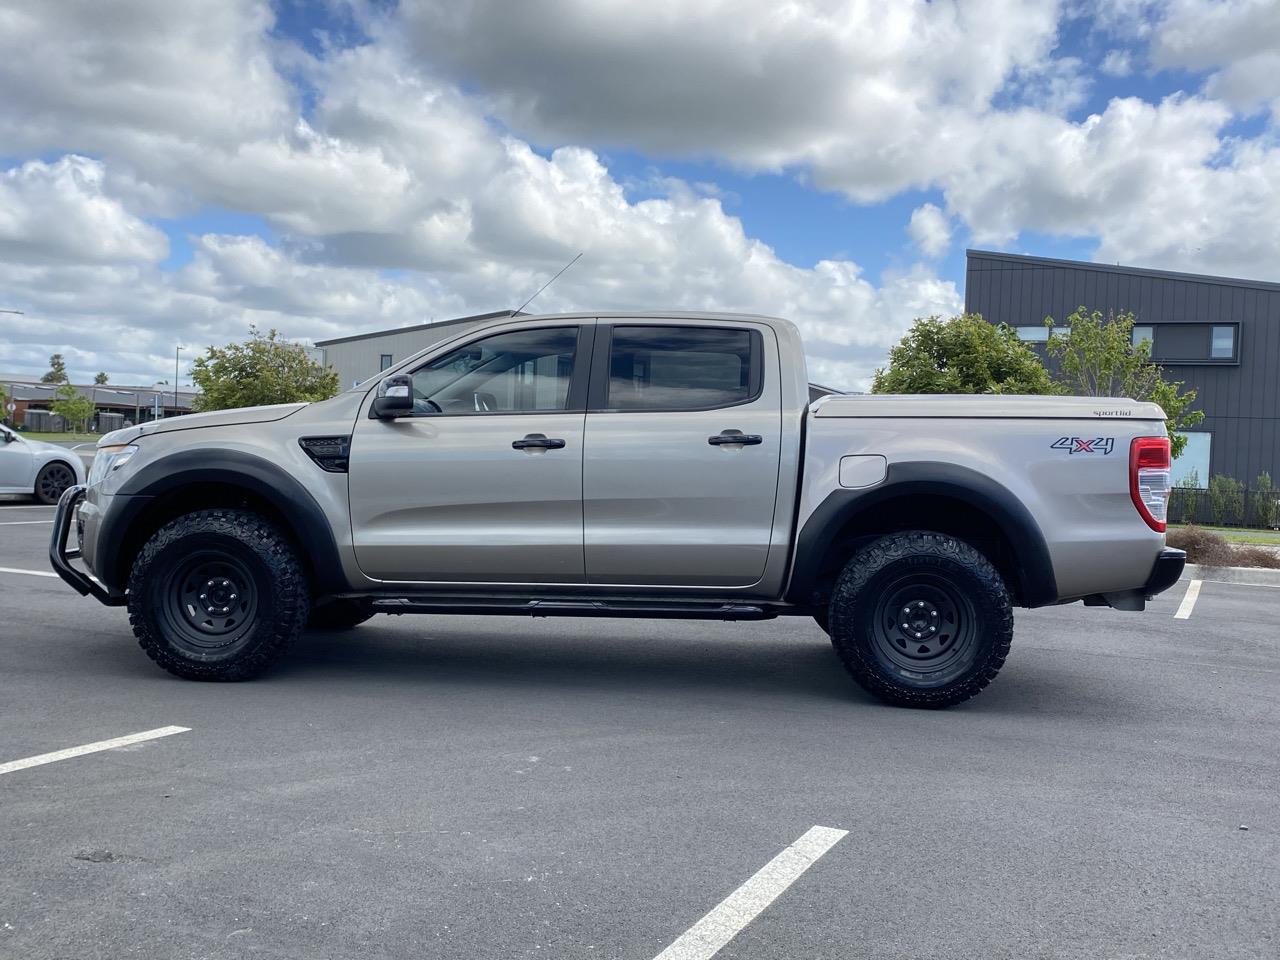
x,y
1223,344
384,362
1143,334
1192,467
1033,334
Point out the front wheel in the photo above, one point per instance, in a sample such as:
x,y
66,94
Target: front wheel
x,y
921,619
52,481
217,595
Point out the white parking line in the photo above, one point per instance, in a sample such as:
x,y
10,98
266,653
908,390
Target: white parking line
x,y
1188,601
21,523
70,752
29,573
706,937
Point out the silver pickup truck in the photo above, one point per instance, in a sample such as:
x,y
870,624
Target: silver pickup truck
x,y
629,465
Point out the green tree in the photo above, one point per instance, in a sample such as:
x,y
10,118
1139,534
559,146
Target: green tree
x,y
57,370
1264,501
1226,499
964,354
71,406
1183,498
100,378
1099,359
263,369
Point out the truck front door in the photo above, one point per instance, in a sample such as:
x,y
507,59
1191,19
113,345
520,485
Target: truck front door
x,y
682,447
483,483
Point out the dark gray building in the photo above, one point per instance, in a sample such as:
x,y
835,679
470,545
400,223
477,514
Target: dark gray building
x,y
1219,335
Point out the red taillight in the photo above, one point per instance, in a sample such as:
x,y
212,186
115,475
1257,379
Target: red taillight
x,y
1149,479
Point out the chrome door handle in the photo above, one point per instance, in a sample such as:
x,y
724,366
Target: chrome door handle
x,y
742,439
535,442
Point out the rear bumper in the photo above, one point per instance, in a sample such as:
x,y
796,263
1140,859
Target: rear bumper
x,y
1167,570
60,556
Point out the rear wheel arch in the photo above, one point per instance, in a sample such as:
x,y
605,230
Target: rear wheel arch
x,y
194,480
942,497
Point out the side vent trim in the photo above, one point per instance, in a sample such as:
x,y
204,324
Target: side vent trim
x,y
331,453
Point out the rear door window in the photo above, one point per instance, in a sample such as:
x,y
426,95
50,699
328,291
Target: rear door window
x,y
682,368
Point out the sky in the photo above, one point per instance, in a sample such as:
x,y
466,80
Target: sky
x,y
172,173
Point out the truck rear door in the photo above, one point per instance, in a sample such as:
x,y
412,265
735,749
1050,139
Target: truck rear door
x,y
681,452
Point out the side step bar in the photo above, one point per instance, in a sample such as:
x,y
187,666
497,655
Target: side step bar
x,y
657,609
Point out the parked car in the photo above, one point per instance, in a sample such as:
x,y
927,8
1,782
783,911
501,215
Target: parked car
x,y
45,470
657,465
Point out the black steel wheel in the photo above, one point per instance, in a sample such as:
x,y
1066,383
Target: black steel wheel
x,y
921,619
217,595
209,602
52,481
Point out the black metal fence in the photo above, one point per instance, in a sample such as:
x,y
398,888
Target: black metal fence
x,y
1243,508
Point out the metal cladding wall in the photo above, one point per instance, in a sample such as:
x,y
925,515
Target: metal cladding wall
x,y
1239,397
358,357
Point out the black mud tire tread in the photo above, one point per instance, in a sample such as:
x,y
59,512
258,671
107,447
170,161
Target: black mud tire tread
x,y
288,589
340,614
986,589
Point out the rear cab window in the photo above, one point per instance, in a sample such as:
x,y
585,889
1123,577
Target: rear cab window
x,y
669,367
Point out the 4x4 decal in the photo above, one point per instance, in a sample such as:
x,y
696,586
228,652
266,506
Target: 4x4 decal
x,y
1074,445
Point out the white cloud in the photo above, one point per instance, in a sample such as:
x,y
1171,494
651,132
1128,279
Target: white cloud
x,y
930,230
59,213
1117,63
1238,39
865,94
400,177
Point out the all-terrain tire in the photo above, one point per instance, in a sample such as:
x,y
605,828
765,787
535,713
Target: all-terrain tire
x,y
52,481
342,614
217,595
921,619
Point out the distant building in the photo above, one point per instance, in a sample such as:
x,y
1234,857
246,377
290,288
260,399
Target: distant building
x,y
364,355
115,405
1219,335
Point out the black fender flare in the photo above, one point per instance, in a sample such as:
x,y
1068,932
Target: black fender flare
x,y
1034,568
266,480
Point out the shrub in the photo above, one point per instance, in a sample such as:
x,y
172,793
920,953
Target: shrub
x,y
1211,550
1184,498
1202,546
1226,500
1255,557
1264,501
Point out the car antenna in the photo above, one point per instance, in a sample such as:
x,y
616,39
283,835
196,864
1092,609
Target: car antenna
x,y
547,284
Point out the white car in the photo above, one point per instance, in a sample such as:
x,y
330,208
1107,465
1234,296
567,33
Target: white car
x,y
42,469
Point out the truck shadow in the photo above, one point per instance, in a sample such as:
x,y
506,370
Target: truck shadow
x,y
624,656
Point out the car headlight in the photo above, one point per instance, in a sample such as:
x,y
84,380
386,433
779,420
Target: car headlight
x,y
110,458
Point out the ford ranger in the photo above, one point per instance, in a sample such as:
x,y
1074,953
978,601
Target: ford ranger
x,y
626,465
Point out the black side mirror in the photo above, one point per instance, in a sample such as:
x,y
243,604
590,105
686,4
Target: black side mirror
x,y
395,397
8,437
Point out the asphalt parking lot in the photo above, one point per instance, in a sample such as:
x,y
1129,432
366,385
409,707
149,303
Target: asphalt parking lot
x,y
463,787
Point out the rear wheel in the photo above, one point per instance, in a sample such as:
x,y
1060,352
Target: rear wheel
x,y
52,481
921,619
217,595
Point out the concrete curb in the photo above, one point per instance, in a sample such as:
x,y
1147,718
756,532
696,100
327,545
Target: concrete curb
x,y
1258,576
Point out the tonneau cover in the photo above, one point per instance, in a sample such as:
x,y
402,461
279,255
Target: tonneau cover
x,y
985,407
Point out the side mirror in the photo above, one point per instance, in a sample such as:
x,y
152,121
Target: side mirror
x,y
8,437
395,397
